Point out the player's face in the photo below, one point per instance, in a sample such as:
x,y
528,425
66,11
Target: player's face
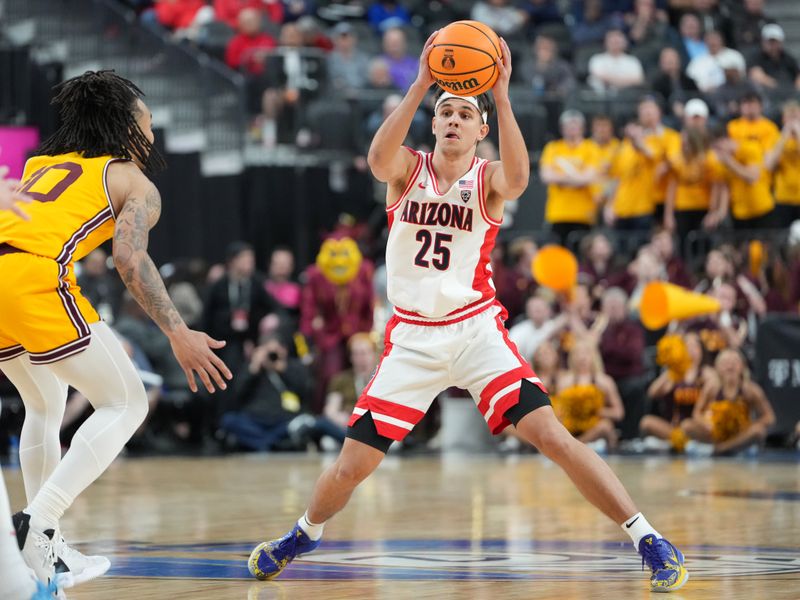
x,y
458,126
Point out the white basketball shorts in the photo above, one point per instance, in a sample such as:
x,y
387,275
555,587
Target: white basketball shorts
x,y
420,360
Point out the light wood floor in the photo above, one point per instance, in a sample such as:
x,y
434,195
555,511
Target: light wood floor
x,y
466,527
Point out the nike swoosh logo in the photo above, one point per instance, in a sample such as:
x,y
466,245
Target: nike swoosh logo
x,y
629,525
421,186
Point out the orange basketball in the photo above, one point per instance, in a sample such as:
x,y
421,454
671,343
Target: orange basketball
x,y
463,58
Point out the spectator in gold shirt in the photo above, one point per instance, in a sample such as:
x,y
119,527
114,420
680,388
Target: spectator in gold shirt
x,y
752,125
666,140
569,167
695,186
748,182
633,173
607,144
783,159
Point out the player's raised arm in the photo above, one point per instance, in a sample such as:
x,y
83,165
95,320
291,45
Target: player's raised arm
x,y
508,177
386,158
141,209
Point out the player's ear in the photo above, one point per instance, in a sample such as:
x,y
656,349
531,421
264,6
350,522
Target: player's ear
x,y
484,132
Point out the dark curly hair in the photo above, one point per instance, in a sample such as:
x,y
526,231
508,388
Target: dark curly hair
x,y
98,113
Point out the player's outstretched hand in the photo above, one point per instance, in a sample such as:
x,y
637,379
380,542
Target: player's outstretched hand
x,y
194,351
504,68
10,195
425,77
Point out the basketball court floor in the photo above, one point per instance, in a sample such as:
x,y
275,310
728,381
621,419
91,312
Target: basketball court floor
x,y
454,526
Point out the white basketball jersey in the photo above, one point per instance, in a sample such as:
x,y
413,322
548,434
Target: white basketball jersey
x,y
438,260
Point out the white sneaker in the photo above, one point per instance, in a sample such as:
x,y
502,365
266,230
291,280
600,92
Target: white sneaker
x,y
83,568
37,548
695,448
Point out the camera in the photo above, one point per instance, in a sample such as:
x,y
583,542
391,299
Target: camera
x,y
273,356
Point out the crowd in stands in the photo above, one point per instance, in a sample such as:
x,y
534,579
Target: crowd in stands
x,y
674,155
298,54
303,345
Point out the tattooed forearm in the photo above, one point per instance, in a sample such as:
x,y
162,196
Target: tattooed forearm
x,y
135,266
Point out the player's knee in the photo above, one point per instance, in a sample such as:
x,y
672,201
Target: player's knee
x,y
138,404
349,473
554,441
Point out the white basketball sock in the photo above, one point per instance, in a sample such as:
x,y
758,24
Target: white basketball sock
x,y
48,507
314,531
637,527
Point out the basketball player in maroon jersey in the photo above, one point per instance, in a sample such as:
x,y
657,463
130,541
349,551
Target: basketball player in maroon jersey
x,y
444,211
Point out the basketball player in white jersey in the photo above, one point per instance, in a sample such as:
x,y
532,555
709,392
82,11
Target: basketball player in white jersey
x,y
17,581
444,211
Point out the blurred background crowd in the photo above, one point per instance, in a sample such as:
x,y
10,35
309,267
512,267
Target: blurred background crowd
x,y
663,137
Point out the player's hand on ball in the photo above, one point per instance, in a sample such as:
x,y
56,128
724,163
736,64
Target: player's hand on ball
x,y
425,77
504,71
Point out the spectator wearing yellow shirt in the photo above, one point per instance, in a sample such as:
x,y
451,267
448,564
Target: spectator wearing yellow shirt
x,y
569,167
603,136
695,186
607,144
784,162
748,182
752,125
633,173
666,140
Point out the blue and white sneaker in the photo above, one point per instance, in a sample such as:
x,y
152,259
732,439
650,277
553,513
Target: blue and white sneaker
x,y
666,563
269,559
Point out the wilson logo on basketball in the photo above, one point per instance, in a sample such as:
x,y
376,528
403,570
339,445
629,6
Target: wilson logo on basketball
x,y
448,62
457,86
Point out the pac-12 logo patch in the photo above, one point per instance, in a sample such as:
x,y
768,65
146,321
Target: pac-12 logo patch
x,y
448,62
466,185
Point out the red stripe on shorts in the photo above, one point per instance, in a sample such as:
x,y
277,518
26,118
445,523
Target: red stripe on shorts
x,y
391,431
497,422
377,406
387,348
500,382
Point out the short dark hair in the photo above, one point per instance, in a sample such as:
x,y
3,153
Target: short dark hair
x,y
751,96
234,249
98,118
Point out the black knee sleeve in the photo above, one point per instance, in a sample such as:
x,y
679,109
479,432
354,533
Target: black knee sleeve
x,y
364,431
530,398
